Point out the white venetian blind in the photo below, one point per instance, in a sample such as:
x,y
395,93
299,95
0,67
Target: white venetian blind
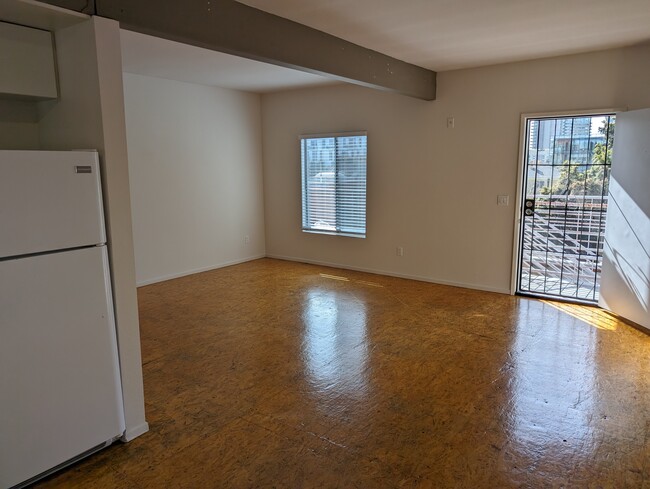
x,y
334,184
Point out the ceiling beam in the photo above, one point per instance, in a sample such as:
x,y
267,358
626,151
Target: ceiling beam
x,y
234,28
83,6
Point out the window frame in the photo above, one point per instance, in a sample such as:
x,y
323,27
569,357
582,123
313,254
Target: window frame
x,y
304,185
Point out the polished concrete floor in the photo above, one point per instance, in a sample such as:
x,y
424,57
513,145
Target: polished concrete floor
x,y
276,374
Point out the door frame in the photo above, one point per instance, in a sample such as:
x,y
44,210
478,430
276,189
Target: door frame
x,y
518,231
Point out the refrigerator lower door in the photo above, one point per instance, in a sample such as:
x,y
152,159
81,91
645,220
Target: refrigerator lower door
x,y
60,391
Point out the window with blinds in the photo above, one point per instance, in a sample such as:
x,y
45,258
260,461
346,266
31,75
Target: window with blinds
x,y
334,184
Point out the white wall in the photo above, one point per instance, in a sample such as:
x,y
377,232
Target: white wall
x,y
431,189
196,176
18,135
18,125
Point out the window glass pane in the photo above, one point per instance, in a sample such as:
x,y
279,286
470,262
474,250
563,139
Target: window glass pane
x,y
334,184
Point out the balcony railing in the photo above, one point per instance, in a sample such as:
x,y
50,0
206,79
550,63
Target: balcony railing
x,y
562,252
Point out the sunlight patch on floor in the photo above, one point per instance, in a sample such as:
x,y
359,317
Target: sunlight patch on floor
x,y
334,277
593,316
345,279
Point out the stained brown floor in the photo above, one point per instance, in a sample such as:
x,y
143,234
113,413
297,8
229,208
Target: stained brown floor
x,y
276,374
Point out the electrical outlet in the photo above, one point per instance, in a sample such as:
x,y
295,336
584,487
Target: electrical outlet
x,y
400,251
247,239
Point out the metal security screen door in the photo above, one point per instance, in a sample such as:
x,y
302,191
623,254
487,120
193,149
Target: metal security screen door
x,y
567,164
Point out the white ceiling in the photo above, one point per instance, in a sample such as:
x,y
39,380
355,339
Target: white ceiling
x,y
449,34
152,56
436,34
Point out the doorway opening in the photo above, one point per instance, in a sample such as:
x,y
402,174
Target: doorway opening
x,y
566,170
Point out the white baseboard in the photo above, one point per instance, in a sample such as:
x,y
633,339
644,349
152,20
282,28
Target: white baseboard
x,y
420,278
197,270
134,432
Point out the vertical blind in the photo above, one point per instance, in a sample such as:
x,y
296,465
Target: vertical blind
x,y
334,184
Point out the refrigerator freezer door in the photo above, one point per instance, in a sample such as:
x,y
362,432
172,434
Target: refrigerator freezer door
x,y
60,391
49,200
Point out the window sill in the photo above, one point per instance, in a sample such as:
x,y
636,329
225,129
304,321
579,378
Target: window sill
x,y
334,233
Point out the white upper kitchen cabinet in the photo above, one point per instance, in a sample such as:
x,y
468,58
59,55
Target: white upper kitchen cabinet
x,y
27,69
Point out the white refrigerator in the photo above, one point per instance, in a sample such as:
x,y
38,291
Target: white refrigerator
x,y
60,388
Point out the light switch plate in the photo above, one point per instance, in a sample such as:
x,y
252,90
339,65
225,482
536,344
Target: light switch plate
x,y
503,199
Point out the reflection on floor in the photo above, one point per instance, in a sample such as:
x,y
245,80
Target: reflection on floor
x,y
277,374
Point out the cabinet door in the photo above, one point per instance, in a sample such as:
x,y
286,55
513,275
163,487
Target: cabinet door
x,y
27,63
